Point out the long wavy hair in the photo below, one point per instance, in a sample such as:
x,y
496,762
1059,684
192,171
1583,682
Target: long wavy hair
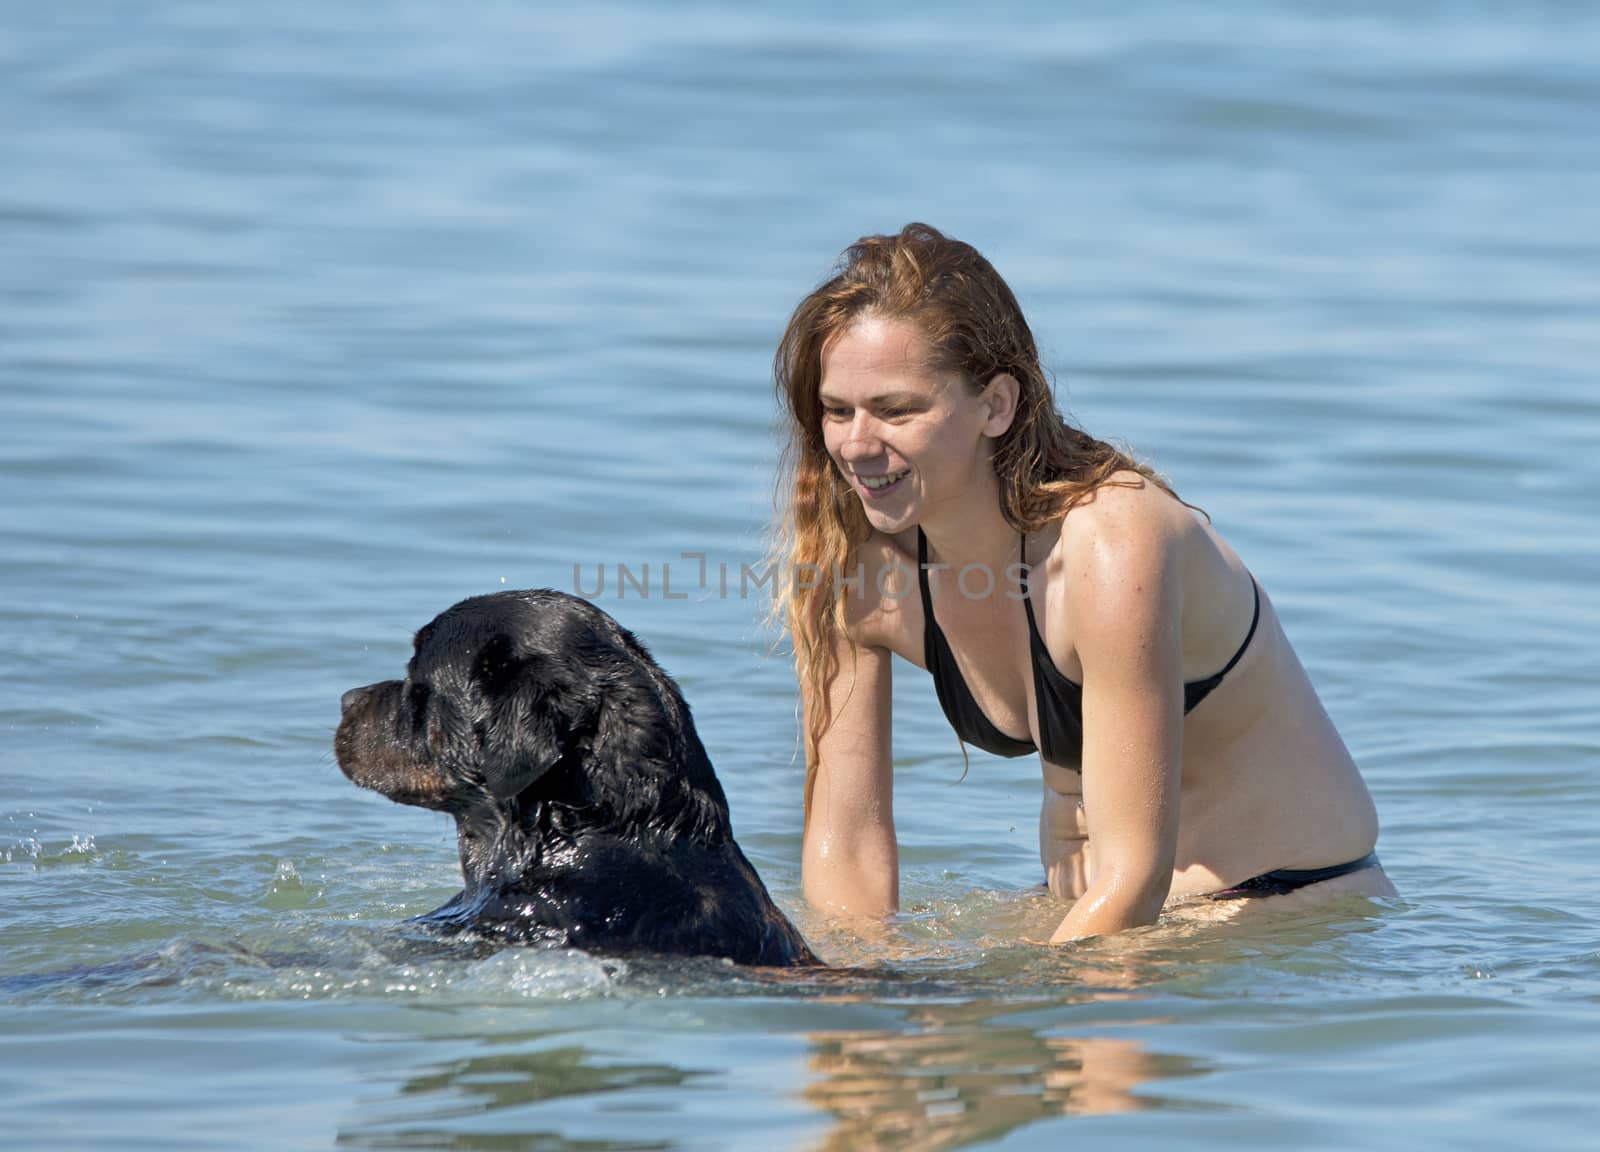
x,y
973,326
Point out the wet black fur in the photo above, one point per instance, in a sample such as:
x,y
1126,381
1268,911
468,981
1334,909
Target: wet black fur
x,y
587,811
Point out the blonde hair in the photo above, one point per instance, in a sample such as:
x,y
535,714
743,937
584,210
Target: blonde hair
x,y
973,326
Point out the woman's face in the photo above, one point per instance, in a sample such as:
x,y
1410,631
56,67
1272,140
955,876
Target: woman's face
x,y
911,439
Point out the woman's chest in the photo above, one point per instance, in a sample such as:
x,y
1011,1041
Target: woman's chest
x,y
979,648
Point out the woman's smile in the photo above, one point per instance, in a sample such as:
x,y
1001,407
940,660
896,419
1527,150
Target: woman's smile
x,y
877,487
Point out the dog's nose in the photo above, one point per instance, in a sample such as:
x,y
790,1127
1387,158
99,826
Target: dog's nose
x,y
348,700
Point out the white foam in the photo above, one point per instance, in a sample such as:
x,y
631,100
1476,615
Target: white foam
x,y
541,974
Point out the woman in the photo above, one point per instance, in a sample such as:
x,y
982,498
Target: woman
x,y
939,508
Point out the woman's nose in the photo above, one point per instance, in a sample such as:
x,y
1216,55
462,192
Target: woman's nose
x,y
862,442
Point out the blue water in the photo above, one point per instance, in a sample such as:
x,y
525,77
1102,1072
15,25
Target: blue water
x,y
315,319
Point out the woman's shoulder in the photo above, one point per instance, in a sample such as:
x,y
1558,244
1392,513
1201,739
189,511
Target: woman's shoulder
x,y
1129,519
1119,547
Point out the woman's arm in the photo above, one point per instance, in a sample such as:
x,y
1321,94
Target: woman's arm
x,y
1126,607
850,861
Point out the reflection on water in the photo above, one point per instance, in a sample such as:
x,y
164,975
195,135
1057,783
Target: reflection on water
x,y
952,1078
486,1087
943,1075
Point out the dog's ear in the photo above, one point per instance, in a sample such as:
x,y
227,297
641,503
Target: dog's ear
x,y
535,714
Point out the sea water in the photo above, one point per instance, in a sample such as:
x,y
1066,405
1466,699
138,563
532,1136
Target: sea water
x,y
315,319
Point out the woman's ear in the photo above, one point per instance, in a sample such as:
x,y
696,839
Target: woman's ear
x,y
1000,396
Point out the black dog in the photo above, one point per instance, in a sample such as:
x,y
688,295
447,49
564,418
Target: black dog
x,y
587,811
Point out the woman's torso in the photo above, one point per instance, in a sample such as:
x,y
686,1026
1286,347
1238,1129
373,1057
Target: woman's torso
x,y
1266,780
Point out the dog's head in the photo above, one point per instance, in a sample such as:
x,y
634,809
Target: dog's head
x,y
534,708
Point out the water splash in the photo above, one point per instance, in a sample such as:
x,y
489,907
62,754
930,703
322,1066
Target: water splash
x,y
30,849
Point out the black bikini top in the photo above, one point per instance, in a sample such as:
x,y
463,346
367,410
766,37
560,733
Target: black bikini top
x,y
1060,701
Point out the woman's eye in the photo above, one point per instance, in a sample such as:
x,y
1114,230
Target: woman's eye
x,y
833,412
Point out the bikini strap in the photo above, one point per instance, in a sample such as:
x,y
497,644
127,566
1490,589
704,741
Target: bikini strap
x,y
922,573
1027,599
1255,618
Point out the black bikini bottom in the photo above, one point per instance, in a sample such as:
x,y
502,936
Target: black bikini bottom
x,y
1288,879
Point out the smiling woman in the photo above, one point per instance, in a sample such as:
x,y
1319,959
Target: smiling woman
x,y
1092,616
